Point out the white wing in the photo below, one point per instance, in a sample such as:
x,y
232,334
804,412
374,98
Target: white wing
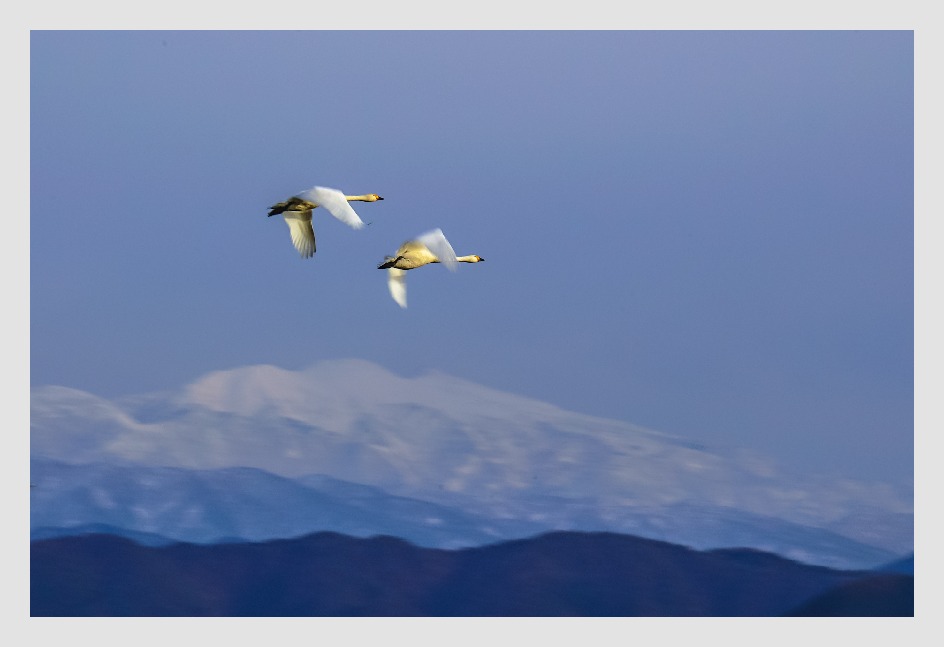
x,y
396,281
436,242
335,202
303,236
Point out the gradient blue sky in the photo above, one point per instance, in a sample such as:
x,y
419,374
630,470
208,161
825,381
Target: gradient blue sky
x,y
710,234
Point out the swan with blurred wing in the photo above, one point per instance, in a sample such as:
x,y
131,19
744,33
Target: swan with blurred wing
x,y
430,247
297,213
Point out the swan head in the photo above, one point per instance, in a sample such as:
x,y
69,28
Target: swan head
x,y
372,197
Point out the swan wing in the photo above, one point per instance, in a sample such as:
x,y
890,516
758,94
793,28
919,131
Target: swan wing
x,y
396,281
436,242
303,236
335,202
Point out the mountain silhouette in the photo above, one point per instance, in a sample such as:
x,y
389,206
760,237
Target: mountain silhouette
x,y
328,574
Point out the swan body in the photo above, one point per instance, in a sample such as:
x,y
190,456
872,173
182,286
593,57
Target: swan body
x,y
430,247
297,213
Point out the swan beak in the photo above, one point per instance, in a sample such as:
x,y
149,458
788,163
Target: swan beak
x,y
379,198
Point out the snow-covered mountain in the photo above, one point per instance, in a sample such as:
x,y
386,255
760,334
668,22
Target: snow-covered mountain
x,y
239,504
453,443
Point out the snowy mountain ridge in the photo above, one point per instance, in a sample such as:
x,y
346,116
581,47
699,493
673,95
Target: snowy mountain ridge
x,y
447,441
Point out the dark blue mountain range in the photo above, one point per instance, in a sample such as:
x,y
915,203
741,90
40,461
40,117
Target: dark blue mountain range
x,y
555,574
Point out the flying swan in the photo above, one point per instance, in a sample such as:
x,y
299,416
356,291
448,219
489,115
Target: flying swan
x,y
431,247
297,213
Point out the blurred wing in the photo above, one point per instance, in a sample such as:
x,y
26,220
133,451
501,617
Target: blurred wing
x,y
396,281
336,204
303,236
436,242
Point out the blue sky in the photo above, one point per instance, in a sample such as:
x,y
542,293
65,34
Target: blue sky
x,y
709,234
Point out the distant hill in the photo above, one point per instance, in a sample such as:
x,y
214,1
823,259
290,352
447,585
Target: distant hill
x,y
143,538
327,574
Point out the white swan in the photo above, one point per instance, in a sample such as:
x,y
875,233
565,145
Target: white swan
x,y
297,213
431,247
